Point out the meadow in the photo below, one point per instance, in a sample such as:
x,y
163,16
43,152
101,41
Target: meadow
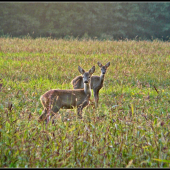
x,y
130,127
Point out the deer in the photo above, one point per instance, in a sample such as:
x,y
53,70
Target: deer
x,y
56,99
96,82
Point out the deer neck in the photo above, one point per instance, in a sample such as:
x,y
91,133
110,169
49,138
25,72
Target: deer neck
x,y
87,89
101,78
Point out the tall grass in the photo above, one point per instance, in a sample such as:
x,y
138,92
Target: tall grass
x,y
130,128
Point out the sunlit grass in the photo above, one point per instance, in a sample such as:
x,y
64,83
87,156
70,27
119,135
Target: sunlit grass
x,y
130,128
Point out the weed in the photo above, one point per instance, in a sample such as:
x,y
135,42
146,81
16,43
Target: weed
x,y
130,128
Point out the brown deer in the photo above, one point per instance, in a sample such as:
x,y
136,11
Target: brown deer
x,y
96,82
55,99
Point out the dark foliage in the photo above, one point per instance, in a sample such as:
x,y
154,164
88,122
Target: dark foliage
x,y
82,19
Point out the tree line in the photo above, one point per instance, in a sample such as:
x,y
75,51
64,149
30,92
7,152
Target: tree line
x,y
102,20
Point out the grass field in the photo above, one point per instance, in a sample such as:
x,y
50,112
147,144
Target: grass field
x,y
131,126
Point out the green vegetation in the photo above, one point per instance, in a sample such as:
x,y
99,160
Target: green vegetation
x,y
105,20
130,128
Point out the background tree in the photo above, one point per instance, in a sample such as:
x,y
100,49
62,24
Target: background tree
x,y
103,20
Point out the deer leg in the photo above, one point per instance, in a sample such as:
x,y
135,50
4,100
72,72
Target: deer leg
x,y
79,112
80,108
46,113
55,106
96,97
43,115
55,109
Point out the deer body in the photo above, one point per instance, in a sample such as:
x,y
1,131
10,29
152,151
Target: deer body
x,y
55,99
96,82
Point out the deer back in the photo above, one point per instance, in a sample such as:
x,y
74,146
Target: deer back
x,y
63,98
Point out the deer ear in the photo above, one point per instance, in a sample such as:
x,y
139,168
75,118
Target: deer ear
x,y
81,70
91,71
107,65
99,64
